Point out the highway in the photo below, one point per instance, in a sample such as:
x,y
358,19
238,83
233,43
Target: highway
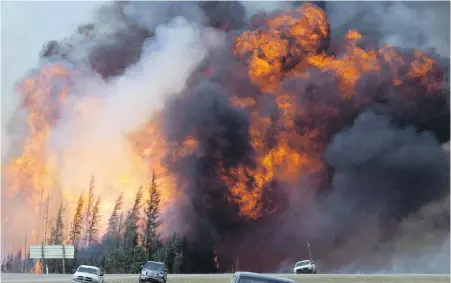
x,y
225,278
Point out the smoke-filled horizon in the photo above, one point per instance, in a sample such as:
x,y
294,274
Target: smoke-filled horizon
x,y
268,125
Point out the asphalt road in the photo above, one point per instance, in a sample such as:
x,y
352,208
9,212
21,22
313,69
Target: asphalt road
x,y
225,278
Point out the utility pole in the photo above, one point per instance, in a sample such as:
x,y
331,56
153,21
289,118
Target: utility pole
x,y
64,260
308,246
46,219
40,213
44,266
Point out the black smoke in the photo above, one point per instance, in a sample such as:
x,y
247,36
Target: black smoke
x,y
382,150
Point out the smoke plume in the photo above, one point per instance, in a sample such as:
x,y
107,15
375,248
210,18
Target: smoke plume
x,y
268,126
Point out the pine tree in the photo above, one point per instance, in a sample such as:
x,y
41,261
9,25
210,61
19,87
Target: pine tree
x,y
113,221
112,238
120,230
57,238
174,253
119,236
177,253
131,222
89,209
131,253
151,237
76,228
94,222
56,235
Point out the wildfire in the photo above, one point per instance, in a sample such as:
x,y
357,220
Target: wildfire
x,y
285,45
151,145
30,171
277,48
29,176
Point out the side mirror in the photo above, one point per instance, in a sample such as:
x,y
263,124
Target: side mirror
x,y
141,266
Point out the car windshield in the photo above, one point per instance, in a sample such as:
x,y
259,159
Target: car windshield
x,y
304,262
154,266
87,270
250,279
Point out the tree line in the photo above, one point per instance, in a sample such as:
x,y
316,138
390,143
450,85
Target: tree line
x,y
132,237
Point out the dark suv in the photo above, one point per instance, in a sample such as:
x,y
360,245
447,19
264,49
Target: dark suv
x,y
153,271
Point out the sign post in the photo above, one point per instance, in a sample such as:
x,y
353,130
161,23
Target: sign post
x,y
52,252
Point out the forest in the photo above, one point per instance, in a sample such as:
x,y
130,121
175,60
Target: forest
x,y
131,239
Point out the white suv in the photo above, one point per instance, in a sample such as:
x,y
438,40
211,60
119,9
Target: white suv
x,y
305,266
87,273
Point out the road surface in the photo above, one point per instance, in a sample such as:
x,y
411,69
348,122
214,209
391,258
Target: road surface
x,y
225,278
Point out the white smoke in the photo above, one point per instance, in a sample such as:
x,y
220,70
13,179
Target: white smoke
x,y
125,104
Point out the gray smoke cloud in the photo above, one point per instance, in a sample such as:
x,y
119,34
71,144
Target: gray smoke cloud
x,y
400,175
415,24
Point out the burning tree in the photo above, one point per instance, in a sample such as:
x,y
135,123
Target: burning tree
x,y
56,238
77,222
151,235
89,212
94,222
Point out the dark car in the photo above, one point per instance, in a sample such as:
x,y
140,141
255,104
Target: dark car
x,y
153,271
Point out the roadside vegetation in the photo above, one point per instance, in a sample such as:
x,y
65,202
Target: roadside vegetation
x,y
131,239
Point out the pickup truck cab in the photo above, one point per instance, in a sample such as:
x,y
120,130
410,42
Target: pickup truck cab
x,y
251,277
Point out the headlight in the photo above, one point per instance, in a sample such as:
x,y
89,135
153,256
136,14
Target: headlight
x,y
143,272
160,274
310,267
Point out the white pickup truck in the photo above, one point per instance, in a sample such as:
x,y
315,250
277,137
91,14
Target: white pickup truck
x,y
87,273
305,266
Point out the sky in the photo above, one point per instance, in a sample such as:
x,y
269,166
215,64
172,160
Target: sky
x,y
25,27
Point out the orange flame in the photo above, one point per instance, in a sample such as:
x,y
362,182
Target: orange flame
x,y
285,46
37,268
